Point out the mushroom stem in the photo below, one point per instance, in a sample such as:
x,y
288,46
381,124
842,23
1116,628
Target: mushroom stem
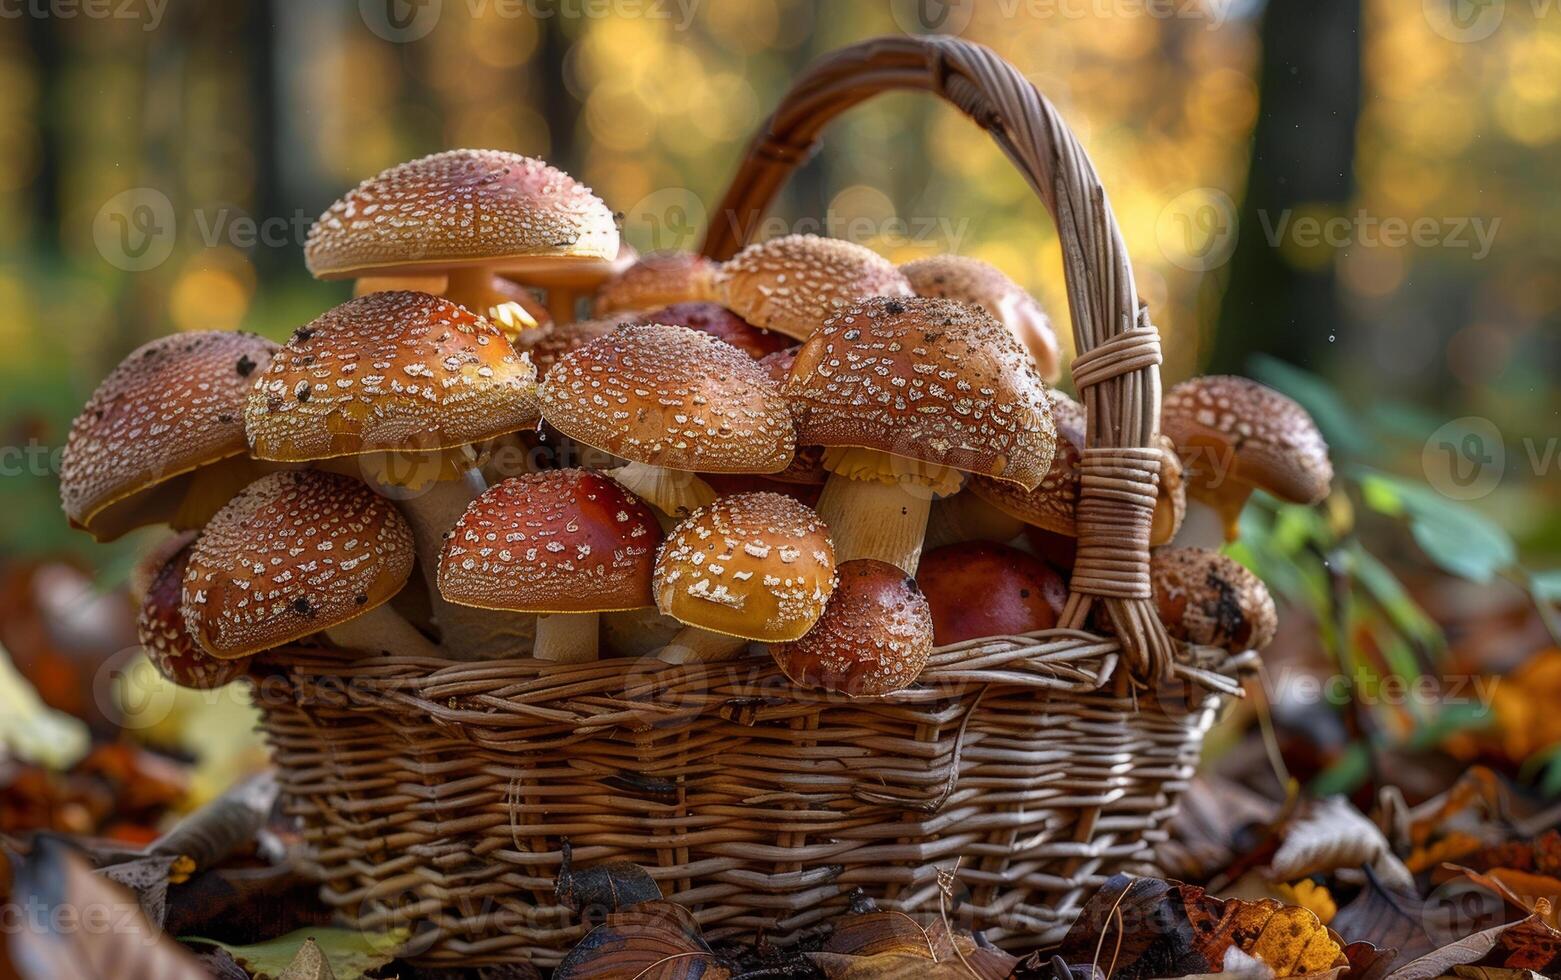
x,y
382,630
966,517
562,304
479,290
566,638
1203,527
873,519
693,645
675,493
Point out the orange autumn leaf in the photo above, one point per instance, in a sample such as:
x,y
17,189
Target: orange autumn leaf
x,y
1537,894
1292,941
1308,894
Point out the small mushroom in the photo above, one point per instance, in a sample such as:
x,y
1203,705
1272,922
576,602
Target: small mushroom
x,y
970,280
720,323
874,637
1234,436
298,553
166,639
980,588
568,280
466,215
656,280
755,566
794,283
906,395
565,544
1206,598
161,440
672,401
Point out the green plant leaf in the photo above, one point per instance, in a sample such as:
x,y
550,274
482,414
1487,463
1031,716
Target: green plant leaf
x,y
1336,418
350,953
1384,587
1458,538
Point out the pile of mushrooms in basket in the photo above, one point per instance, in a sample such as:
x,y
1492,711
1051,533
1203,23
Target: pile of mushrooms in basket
x,y
805,452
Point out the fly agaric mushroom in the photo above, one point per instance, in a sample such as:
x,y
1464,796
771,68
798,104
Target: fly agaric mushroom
x,y
297,553
657,280
905,395
402,384
565,544
874,637
1208,599
722,324
1234,436
166,639
161,440
673,402
794,283
980,588
467,215
970,280
566,281
755,566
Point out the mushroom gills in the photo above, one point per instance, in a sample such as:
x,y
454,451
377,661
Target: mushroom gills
x,y
185,502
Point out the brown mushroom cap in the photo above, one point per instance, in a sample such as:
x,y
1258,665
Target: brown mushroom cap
x,y
1208,599
981,588
562,541
756,565
1051,505
1227,427
968,280
455,209
672,397
656,280
874,637
173,406
563,338
294,553
794,283
722,324
929,379
168,643
390,371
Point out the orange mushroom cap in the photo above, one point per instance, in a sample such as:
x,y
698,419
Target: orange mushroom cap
x,y
657,280
981,588
1209,599
794,283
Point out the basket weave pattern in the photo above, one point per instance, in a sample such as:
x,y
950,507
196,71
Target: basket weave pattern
x,y
438,794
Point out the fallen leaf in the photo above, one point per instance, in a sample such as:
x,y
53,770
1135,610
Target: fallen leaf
x,y
654,940
599,890
1290,940
1513,944
309,964
1133,929
1330,834
1536,894
351,954
1309,895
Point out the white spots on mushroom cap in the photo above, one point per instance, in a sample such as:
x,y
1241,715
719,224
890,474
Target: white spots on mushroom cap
x,y
294,553
1210,599
1053,504
794,283
1273,442
657,280
161,630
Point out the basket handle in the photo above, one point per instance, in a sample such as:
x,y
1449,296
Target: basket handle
x,y
1117,366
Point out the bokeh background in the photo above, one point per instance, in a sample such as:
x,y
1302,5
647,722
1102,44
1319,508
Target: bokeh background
x,y
1354,200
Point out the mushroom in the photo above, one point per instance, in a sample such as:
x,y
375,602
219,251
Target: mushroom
x,y
656,280
906,395
981,588
672,401
874,637
466,215
566,544
1235,435
722,324
161,440
166,639
398,386
755,566
970,280
566,281
794,283
1208,599
298,553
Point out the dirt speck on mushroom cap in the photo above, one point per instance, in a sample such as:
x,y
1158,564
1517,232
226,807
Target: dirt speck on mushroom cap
x,y
1210,599
875,635
161,629
172,405
1254,434
560,541
673,397
794,283
294,553
389,371
459,207
755,565
929,379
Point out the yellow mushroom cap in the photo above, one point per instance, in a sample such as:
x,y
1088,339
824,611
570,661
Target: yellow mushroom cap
x,y
928,379
459,208
969,280
754,565
657,280
673,397
1208,599
561,541
794,283
390,371
172,406
294,553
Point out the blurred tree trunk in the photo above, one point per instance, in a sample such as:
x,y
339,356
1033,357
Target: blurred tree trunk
x,y
560,108
1303,154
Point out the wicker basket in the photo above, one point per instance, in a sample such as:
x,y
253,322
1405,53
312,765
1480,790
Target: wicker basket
x,y
1002,788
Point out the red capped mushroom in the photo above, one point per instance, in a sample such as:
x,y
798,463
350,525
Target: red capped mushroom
x,y
970,280
166,639
874,637
980,588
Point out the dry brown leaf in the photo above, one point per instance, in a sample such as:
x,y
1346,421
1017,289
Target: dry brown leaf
x,y
1291,940
876,933
1539,895
1328,835
1529,944
651,941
